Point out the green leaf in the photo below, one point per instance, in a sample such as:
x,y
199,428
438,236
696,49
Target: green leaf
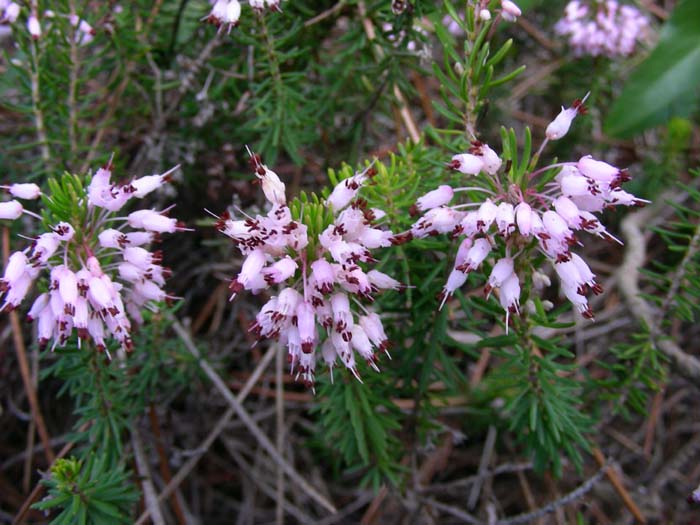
x,y
666,83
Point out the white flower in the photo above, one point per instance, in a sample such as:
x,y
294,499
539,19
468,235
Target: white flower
x,y
10,210
510,11
438,197
34,27
27,191
561,124
467,163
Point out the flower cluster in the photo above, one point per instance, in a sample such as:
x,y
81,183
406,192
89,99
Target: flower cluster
x,y
547,219
226,14
605,28
99,277
319,262
9,12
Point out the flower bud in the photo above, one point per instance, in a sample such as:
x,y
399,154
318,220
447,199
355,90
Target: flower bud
x,y
510,11
306,322
111,238
145,185
523,217
492,162
34,27
272,186
322,273
280,271
476,255
442,195
362,344
568,211
510,293
372,325
555,225
382,281
342,316
16,266
486,214
505,218
467,163
10,210
11,13
152,221
500,272
597,169
27,191
139,257
561,124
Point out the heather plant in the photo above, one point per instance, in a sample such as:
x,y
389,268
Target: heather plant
x,y
468,296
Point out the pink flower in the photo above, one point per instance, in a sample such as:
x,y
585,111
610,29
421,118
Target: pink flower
x,y
608,29
34,27
490,159
10,14
145,185
152,221
279,250
521,219
501,271
81,294
225,14
467,163
510,11
505,218
10,210
28,191
561,124
475,256
510,296
442,195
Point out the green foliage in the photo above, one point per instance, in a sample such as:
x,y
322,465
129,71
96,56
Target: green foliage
x,y
279,118
667,83
91,491
636,370
543,403
467,77
519,167
677,275
65,202
110,392
360,421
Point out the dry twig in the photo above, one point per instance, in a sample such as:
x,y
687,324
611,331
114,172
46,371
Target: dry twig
x,y
628,281
253,428
149,492
554,505
614,478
